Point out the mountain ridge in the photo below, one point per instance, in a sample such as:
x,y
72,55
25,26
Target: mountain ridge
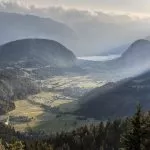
x,y
117,99
16,26
37,51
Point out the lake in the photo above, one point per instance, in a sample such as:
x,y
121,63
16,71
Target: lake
x,y
100,58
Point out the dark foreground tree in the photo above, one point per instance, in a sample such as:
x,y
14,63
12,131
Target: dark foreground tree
x,y
134,133
134,136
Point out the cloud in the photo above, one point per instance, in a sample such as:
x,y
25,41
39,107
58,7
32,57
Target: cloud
x,y
61,13
132,6
97,31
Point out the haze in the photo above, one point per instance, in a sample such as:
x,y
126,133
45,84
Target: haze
x,y
132,6
100,26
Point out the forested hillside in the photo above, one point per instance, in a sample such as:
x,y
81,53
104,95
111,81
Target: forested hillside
x,y
14,85
127,134
36,53
117,99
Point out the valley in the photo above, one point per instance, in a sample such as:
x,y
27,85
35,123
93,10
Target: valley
x,y
52,90
52,109
74,75
45,87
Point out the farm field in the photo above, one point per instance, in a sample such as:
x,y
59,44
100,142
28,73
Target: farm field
x,y
51,110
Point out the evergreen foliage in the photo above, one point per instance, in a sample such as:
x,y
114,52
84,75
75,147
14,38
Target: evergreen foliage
x,y
121,134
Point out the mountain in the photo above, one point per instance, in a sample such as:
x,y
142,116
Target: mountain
x,y
36,52
22,62
117,99
14,84
20,26
135,60
132,58
136,52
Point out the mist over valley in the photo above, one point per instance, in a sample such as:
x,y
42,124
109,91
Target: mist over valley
x,y
65,68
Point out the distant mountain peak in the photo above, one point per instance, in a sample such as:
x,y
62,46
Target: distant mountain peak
x,y
15,26
140,42
138,50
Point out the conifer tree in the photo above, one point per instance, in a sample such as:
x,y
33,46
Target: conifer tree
x,y
132,139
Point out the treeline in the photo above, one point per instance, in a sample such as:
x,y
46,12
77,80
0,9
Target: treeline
x,y
126,134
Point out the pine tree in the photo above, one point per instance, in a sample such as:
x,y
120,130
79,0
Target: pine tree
x,y
132,139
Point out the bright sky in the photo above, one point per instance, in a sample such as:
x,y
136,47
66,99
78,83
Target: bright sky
x,y
128,6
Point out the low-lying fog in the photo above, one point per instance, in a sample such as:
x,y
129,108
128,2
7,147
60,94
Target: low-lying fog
x,y
100,58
